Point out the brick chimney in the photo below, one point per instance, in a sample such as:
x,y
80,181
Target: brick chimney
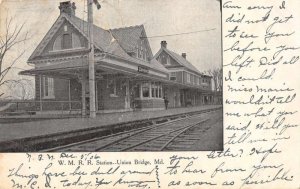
x,y
183,55
163,44
67,7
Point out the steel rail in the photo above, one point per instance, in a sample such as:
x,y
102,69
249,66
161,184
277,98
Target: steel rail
x,y
182,130
173,138
139,130
133,132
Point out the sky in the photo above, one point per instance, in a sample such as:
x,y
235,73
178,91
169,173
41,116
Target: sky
x,y
159,17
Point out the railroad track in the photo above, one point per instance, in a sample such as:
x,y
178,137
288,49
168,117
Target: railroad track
x,y
53,140
159,137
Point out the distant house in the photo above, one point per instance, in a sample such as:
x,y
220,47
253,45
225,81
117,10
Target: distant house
x,y
196,88
128,77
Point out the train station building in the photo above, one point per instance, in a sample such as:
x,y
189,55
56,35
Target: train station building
x,y
128,75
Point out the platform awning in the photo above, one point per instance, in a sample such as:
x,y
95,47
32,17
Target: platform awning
x,y
74,68
69,69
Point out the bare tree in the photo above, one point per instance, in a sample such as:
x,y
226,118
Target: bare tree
x,y
11,36
20,89
220,80
217,76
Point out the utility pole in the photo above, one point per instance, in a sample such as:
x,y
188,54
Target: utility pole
x,y
91,61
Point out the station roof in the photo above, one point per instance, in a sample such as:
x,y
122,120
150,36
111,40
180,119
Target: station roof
x,y
128,36
180,60
116,42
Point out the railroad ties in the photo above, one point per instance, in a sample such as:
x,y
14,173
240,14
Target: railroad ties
x,y
171,135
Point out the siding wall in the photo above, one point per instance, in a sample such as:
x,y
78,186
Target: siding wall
x,y
37,88
172,62
150,103
173,95
75,88
108,102
105,101
61,93
179,77
184,77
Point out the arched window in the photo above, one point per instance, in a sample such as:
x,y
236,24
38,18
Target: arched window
x,y
66,41
57,43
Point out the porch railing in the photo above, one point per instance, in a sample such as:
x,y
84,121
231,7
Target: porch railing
x,y
34,107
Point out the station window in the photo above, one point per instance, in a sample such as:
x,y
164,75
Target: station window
x,y
151,91
144,50
188,78
48,88
163,59
146,90
136,91
141,50
160,92
192,79
173,76
156,90
112,85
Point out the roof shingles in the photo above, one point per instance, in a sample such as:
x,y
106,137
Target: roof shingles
x,y
128,37
182,61
118,42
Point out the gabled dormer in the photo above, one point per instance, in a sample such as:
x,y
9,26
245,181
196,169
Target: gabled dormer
x,y
165,58
180,69
134,41
63,38
171,59
67,38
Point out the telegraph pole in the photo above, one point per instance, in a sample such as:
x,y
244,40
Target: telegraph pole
x,y
91,61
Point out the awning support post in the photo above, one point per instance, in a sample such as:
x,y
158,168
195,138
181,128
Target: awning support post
x,y
83,93
91,61
41,104
127,95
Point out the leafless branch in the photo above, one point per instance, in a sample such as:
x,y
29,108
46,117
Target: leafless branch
x,y
4,72
20,88
217,78
13,36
